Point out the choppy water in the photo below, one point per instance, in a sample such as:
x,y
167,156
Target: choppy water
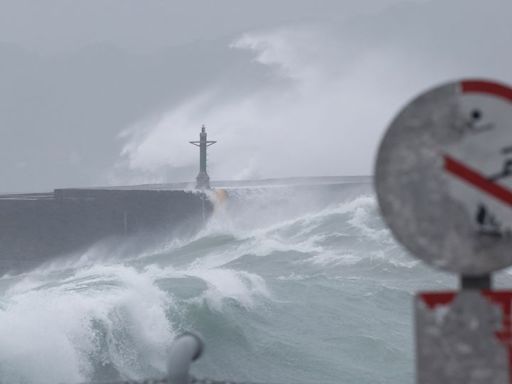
x,y
284,288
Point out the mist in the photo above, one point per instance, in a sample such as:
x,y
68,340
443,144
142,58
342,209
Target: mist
x,y
286,88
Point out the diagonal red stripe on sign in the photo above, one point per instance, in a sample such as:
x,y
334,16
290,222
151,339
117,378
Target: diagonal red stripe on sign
x,y
474,178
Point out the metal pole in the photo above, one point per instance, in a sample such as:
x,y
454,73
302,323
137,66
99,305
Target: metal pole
x,y
482,282
184,350
202,150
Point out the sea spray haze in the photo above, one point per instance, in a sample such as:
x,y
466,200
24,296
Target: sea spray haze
x,y
288,87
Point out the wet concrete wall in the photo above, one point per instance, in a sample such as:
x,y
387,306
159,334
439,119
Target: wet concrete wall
x,y
36,228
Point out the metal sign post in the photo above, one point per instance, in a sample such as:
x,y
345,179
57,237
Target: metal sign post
x,y
444,185
463,337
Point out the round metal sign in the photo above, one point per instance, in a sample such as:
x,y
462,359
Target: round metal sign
x,y
444,177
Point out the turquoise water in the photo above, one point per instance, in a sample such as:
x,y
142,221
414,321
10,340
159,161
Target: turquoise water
x,y
284,287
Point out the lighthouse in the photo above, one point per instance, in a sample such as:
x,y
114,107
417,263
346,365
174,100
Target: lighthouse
x,y
202,180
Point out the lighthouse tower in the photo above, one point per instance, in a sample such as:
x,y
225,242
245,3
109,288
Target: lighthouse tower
x,y
203,180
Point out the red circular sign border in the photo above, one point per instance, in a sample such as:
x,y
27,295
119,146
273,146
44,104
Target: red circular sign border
x,y
488,87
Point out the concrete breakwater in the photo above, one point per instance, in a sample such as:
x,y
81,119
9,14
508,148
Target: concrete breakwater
x,y
37,227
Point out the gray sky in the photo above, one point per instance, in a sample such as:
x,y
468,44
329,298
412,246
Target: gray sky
x,y
110,92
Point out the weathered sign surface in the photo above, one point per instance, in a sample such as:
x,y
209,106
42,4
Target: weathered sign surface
x,y
444,177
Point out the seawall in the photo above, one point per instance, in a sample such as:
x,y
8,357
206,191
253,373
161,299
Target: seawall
x,y
37,227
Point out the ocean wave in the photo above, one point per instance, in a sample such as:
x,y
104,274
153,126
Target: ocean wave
x,y
53,331
226,284
110,313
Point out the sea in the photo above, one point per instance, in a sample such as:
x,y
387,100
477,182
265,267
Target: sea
x,y
284,285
